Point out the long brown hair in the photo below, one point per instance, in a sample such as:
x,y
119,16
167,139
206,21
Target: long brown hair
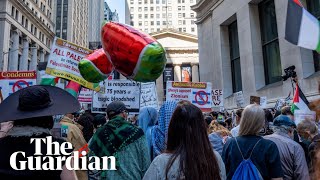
x,y
188,140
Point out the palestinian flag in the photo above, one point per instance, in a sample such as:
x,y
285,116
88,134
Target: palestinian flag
x,y
49,81
300,102
302,28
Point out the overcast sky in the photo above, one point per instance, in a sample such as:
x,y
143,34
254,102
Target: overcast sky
x,y
119,5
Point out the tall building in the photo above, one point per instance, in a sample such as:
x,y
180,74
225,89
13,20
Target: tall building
x,y
109,15
26,31
155,15
96,17
72,21
243,48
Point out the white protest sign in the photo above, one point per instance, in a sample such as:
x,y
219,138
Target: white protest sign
x,y
279,104
217,98
198,94
300,115
263,102
148,96
12,81
85,95
239,99
125,91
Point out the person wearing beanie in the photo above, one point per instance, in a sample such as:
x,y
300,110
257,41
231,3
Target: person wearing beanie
x,y
293,161
123,140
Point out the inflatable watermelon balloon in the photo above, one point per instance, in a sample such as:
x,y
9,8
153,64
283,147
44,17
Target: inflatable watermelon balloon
x,y
134,54
95,67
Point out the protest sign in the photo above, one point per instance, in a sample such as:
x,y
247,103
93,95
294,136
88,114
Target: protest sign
x,y
198,94
263,102
85,96
148,96
217,98
12,81
279,104
125,91
239,99
300,115
63,62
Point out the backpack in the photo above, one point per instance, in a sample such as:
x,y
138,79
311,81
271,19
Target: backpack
x,y
246,169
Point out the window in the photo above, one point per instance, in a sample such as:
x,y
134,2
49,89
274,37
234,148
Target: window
x,y
270,42
184,22
184,29
131,1
183,8
145,8
158,29
235,57
179,15
140,16
12,11
152,23
131,9
180,22
22,20
131,16
151,8
183,14
314,9
191,1
157,1
26,24
163,1
146,23
179,1
157,8
158,16
140,23
158,23
169,15
164,22
192,21
169,22
140,1
179,8
145,1
146,16
152,29
17,14
151,15
140,9
151,1
192,15
169,8
180,29
146,30
169,1
164,8
192,29
163,15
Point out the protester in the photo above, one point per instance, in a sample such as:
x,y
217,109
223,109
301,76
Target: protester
x,y
147,120
160,131
309,130
235,130
263,153
31,110
86,121
286,110
123,140
292,157
188,154
98,121
208,120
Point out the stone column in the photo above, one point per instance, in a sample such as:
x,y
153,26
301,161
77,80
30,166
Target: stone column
x,y
42,54
25,54
4,44
14,51
33,64
177,72
195,72
160,90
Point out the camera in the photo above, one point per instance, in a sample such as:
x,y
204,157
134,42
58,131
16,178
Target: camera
x,y
289,73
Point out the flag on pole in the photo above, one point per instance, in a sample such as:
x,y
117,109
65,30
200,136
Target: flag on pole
x,y
302,28
300,102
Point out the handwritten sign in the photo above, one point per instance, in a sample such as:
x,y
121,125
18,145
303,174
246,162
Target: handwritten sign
x,y
125,91
263,102
148,96
300,115
217,98
239,99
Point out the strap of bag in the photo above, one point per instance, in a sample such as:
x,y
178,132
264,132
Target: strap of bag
x,y
251,151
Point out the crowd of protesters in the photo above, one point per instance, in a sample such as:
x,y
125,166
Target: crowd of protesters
x,y
176,142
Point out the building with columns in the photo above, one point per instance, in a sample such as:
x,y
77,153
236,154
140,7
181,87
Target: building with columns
x,y
26,31
182,58
242,48
72,21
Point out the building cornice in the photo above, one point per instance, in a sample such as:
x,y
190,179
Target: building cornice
x,y
175,34
204,9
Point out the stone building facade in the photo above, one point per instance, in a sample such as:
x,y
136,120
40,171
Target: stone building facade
x,y
242,48
26,31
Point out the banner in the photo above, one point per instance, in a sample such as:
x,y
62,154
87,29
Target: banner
x,y
63,62
239,99
12,81
198,94
148,96
300,115
217,98
125,91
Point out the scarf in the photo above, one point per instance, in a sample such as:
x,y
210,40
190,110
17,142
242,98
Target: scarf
x,y
114,136
160,131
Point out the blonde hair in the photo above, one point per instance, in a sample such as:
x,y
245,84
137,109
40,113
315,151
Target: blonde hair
x,y
252,120
218,128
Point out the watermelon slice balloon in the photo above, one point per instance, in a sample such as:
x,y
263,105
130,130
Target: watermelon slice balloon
x,y
134,54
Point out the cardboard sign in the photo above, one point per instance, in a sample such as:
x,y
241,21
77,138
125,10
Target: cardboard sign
x,y
217,98
12,81
239,99
300,115
198,94
148,96
63,62
125,91
85,95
